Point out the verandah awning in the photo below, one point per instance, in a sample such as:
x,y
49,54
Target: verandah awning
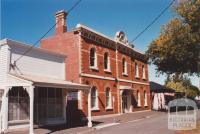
x,y
46,82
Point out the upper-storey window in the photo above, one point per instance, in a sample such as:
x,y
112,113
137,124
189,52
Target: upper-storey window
x,y
136,70
143,72
106,62
124,66
93,58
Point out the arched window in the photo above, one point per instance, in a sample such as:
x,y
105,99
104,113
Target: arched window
x,y
124,66
106,62
108,98
93,59
138,99
145,99
94,98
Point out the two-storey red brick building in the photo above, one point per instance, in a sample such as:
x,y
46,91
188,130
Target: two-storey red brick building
x,y
117,73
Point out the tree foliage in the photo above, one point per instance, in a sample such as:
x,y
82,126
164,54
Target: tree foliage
x,y
182,84
177,49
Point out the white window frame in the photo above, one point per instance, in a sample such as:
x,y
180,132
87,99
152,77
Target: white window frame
x,y
108,63
143,72
109,106
95,60
96,107
145,99
125,70
138,99
137,70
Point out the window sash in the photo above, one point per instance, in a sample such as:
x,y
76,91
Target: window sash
x,y
105,61
138,99
94,102
143,72
145,99
124,66
136,70
108,98
92,58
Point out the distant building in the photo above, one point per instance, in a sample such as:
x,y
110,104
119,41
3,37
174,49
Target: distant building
x,y
160,96
116,71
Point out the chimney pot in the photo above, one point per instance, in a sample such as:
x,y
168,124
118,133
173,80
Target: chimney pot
x,y
61,26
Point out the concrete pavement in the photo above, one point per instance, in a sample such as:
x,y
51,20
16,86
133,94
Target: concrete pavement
x,y
157,124
150,122
63,129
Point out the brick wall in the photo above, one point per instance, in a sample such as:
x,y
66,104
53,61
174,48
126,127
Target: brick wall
x,y
66,43
77,50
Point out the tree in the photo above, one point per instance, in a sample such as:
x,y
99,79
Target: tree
x,y
182,84
177,49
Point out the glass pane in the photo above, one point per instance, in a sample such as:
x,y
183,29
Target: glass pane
x,y
106,61
51,93
42,92
58,93
92,57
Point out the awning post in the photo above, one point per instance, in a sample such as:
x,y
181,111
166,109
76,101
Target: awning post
x,y
89,109
31,96
5,109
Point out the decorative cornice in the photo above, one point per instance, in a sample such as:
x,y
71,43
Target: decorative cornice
x,y
105,41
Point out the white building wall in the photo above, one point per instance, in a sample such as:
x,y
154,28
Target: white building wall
x,y
37,63
4,63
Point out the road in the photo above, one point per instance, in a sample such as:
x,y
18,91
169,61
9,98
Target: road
x,y
153,125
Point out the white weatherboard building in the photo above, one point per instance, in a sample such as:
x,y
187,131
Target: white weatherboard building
x,y
33,89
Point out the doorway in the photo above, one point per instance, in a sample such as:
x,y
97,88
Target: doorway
x,y
73,114
124,101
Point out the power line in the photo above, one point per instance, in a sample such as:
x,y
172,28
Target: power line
x,y
154,20
29,49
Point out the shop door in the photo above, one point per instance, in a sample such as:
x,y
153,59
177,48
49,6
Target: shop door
x,y
73,114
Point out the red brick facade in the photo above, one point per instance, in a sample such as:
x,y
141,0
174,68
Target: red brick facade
x,y
77,44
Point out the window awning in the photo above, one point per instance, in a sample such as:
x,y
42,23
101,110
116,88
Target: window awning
x,y
47,82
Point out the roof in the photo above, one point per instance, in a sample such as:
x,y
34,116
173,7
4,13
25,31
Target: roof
x,y
78,26
155,87
13,42
50,82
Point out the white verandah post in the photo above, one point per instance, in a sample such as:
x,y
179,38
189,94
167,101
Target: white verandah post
x,y
5,109
31,96
89,109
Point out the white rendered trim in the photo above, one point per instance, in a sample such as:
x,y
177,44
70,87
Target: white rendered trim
x,y
134,82
97,76
111,78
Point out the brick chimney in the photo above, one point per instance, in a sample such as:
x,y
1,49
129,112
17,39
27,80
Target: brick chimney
x,y
61,22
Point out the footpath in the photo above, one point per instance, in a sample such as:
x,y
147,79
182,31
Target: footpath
x,y
98,123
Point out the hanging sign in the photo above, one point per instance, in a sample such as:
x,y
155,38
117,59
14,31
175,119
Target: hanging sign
x,y
72,96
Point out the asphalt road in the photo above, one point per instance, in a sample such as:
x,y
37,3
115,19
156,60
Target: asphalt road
x,y
153,125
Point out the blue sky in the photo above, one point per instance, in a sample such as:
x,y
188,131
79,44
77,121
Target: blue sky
x,y
28,20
